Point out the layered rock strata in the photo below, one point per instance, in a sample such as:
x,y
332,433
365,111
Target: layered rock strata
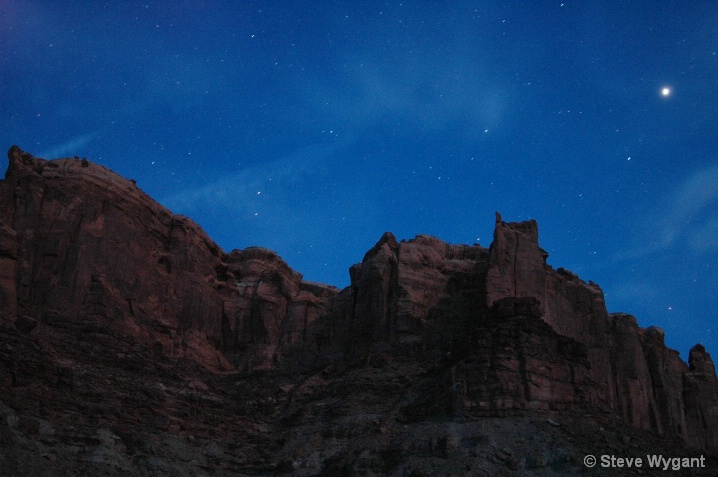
x,y
633,373
80,243
85,253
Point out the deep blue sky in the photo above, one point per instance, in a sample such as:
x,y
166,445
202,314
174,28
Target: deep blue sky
x,y
312,127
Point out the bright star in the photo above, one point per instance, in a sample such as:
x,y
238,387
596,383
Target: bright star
x,y
666,91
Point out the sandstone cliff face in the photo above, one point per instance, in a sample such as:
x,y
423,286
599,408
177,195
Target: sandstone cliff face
x,y
414,293
634,374
701,400
97,279
508,361
80,243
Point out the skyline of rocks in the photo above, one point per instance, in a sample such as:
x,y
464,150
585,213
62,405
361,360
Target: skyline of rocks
x,y
85,251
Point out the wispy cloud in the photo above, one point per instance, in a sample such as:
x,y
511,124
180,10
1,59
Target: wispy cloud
x,y
291,205
694,210
689,216
242,192
704,237
418,93
69,147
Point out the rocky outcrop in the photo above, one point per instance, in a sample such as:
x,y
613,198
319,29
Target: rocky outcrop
x,y
700,392
508,361
81,244
412,294
8,273
634,374
130,322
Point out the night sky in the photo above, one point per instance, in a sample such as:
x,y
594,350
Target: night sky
x,y
312,127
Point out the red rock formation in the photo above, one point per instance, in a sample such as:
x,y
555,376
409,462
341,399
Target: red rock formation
x,y
666,370
8,273
700,391
80,243
514,360
517,262
635,375
88,262
414,293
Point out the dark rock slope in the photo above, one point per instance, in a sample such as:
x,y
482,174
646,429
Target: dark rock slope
x,y
131,344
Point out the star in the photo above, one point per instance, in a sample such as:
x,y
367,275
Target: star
x,y
666,91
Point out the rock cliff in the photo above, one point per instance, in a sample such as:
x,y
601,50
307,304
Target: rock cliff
x,y
633,373
132,343
81,244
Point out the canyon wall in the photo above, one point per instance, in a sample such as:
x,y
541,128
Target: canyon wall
x,y
83,250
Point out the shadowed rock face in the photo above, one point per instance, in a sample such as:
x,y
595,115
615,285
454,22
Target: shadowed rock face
x,y
81,244
632,371
109,301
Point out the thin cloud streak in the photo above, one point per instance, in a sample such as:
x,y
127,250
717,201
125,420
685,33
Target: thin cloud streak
x,y
695,211
241,192
69,147
689,215
401,96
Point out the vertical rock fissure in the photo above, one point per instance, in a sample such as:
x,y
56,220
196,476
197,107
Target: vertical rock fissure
x,y
391,321
75,247
516,262
521,353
